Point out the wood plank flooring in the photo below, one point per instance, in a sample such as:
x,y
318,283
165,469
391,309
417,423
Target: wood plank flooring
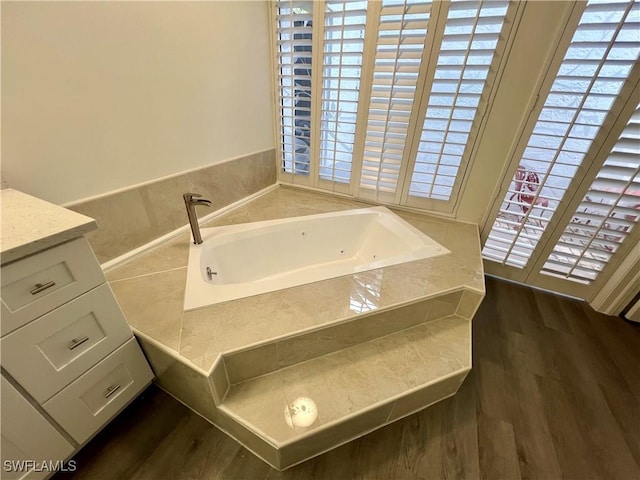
x,y
554,393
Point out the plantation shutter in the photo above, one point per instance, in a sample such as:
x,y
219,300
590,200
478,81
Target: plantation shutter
x,y
605,217
344,26
294,65
402,32
599,60
366,95
467,57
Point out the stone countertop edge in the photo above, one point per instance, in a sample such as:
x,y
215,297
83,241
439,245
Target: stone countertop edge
x,y
30,225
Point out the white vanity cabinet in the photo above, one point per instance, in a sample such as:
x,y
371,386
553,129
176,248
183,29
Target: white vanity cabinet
x,y
28,439
64,341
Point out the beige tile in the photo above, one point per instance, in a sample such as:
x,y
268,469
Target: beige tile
x,y
240,323
396,319
181,381
132,218
261,404
287,202
248,438
450,339
341,384
123,224
198,334
227,182
332,382
219,381
233,325
336,385
164,203
159,360
193,390
251,363
220,183
469,304
153,304
419,355
317,303
235,216
267,172
349,381
402,358
168,256
444,305
421,278
326,439
426,396
314,344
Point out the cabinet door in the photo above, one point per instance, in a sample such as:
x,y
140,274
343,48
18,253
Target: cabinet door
x,y
30,444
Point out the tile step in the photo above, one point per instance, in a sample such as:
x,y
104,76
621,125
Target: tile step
x,y
305,409
284,351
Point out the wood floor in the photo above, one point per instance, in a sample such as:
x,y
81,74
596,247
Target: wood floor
x,y
554,393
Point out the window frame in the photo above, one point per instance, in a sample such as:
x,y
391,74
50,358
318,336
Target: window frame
x,y
400,198
612,127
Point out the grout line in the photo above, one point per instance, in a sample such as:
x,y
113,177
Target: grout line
x,y
145,274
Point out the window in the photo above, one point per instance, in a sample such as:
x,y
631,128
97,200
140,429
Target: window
x,y
605,217
400,45
466,55
596,66
342,60
383,100
295,68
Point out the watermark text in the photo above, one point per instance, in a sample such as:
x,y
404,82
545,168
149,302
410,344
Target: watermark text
x,y
39,466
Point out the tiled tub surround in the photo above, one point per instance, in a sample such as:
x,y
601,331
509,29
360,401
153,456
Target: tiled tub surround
x,y
134,217
367,348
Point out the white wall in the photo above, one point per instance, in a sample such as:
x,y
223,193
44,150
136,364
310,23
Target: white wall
x,y
98,96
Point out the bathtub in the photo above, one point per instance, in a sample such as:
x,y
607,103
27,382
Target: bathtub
x,y
238,261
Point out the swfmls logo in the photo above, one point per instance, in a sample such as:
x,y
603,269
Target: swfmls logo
x,y
36,466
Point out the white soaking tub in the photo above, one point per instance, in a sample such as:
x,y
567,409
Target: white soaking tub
x,y
238,261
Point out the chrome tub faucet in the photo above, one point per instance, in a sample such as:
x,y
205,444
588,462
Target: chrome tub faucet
x,y
190,201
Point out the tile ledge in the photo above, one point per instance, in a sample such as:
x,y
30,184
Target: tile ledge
x,y
171,352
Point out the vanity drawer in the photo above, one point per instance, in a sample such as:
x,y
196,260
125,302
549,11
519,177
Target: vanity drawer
x,y
52,351
37,284
89,402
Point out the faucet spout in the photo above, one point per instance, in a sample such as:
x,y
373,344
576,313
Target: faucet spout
x,y
190,201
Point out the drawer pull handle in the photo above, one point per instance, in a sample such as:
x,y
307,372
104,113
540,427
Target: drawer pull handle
x,y
41,287
111,390
76,342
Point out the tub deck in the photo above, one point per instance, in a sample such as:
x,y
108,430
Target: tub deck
x,y
220,359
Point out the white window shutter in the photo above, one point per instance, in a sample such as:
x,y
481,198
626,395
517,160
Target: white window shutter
x,y
294,65
598,61
402,33
467,55
344,27
605,217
